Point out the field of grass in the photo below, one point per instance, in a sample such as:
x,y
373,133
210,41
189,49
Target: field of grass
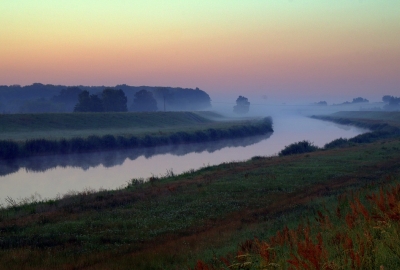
x,y
46,134
369,117
21,127
219,217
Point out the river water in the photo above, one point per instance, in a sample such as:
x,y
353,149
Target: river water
x,y
52,176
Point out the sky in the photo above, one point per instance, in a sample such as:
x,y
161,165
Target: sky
x,y
276,49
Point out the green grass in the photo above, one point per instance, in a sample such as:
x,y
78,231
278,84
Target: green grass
x,y
391,118
173,221
22,127
226,203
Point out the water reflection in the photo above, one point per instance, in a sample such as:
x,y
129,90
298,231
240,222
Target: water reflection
x,y
113,158
53,175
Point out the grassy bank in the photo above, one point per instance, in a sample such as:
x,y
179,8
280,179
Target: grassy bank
x,y
21,127
174,221
211,218
122,130
384,121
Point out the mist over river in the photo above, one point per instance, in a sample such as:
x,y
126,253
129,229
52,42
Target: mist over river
x,y
52,176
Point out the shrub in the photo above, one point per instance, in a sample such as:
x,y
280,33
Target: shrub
x,y
337,143
298,148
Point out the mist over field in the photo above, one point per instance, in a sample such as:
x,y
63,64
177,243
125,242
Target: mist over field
x,y
201,135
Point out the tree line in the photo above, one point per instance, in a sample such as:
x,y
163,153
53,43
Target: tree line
x,y
42,98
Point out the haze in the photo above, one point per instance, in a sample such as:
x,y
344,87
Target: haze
x,y
315,50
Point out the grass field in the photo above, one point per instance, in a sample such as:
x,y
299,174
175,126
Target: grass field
x,y
20,127
374,117
177,220
46,134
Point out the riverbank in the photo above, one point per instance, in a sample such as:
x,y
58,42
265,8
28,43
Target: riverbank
x,y
173,221
89,132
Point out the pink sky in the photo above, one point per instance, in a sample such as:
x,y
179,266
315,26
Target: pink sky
x,y
281,49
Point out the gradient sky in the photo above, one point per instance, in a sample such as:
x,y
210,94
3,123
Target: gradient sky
x,y
277,48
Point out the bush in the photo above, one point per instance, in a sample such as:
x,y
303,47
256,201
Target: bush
x,y
337,143
298,148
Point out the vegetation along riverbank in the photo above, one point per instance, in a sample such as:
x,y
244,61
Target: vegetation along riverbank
x,y
24,135
333,208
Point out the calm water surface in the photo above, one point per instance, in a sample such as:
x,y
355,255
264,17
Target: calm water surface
x,y
51,176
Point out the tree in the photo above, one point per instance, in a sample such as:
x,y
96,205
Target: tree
x,y
242,105
360,100
387,98
144,102
88,103
67,97
393,104
114,100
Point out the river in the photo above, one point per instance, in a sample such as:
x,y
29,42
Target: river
x,y
54,176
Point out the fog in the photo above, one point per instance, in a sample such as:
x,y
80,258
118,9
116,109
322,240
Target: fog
x,y
278,107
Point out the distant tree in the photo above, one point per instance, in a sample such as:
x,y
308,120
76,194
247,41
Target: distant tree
x,y
321,103
393,104
67,97
242,105
88,103
114,100
387,98
144,102
360,100
96,104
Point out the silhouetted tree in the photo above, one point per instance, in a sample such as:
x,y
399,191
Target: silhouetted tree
x,y
88,103
114,100
67,98
144,102
242,105
321,103
360,100
68,95
387,98
393,103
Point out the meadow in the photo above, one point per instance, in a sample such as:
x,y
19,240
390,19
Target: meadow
x,y
265,213
24,135
22,127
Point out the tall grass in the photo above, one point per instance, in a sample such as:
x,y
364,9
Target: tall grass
x,y
362,232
